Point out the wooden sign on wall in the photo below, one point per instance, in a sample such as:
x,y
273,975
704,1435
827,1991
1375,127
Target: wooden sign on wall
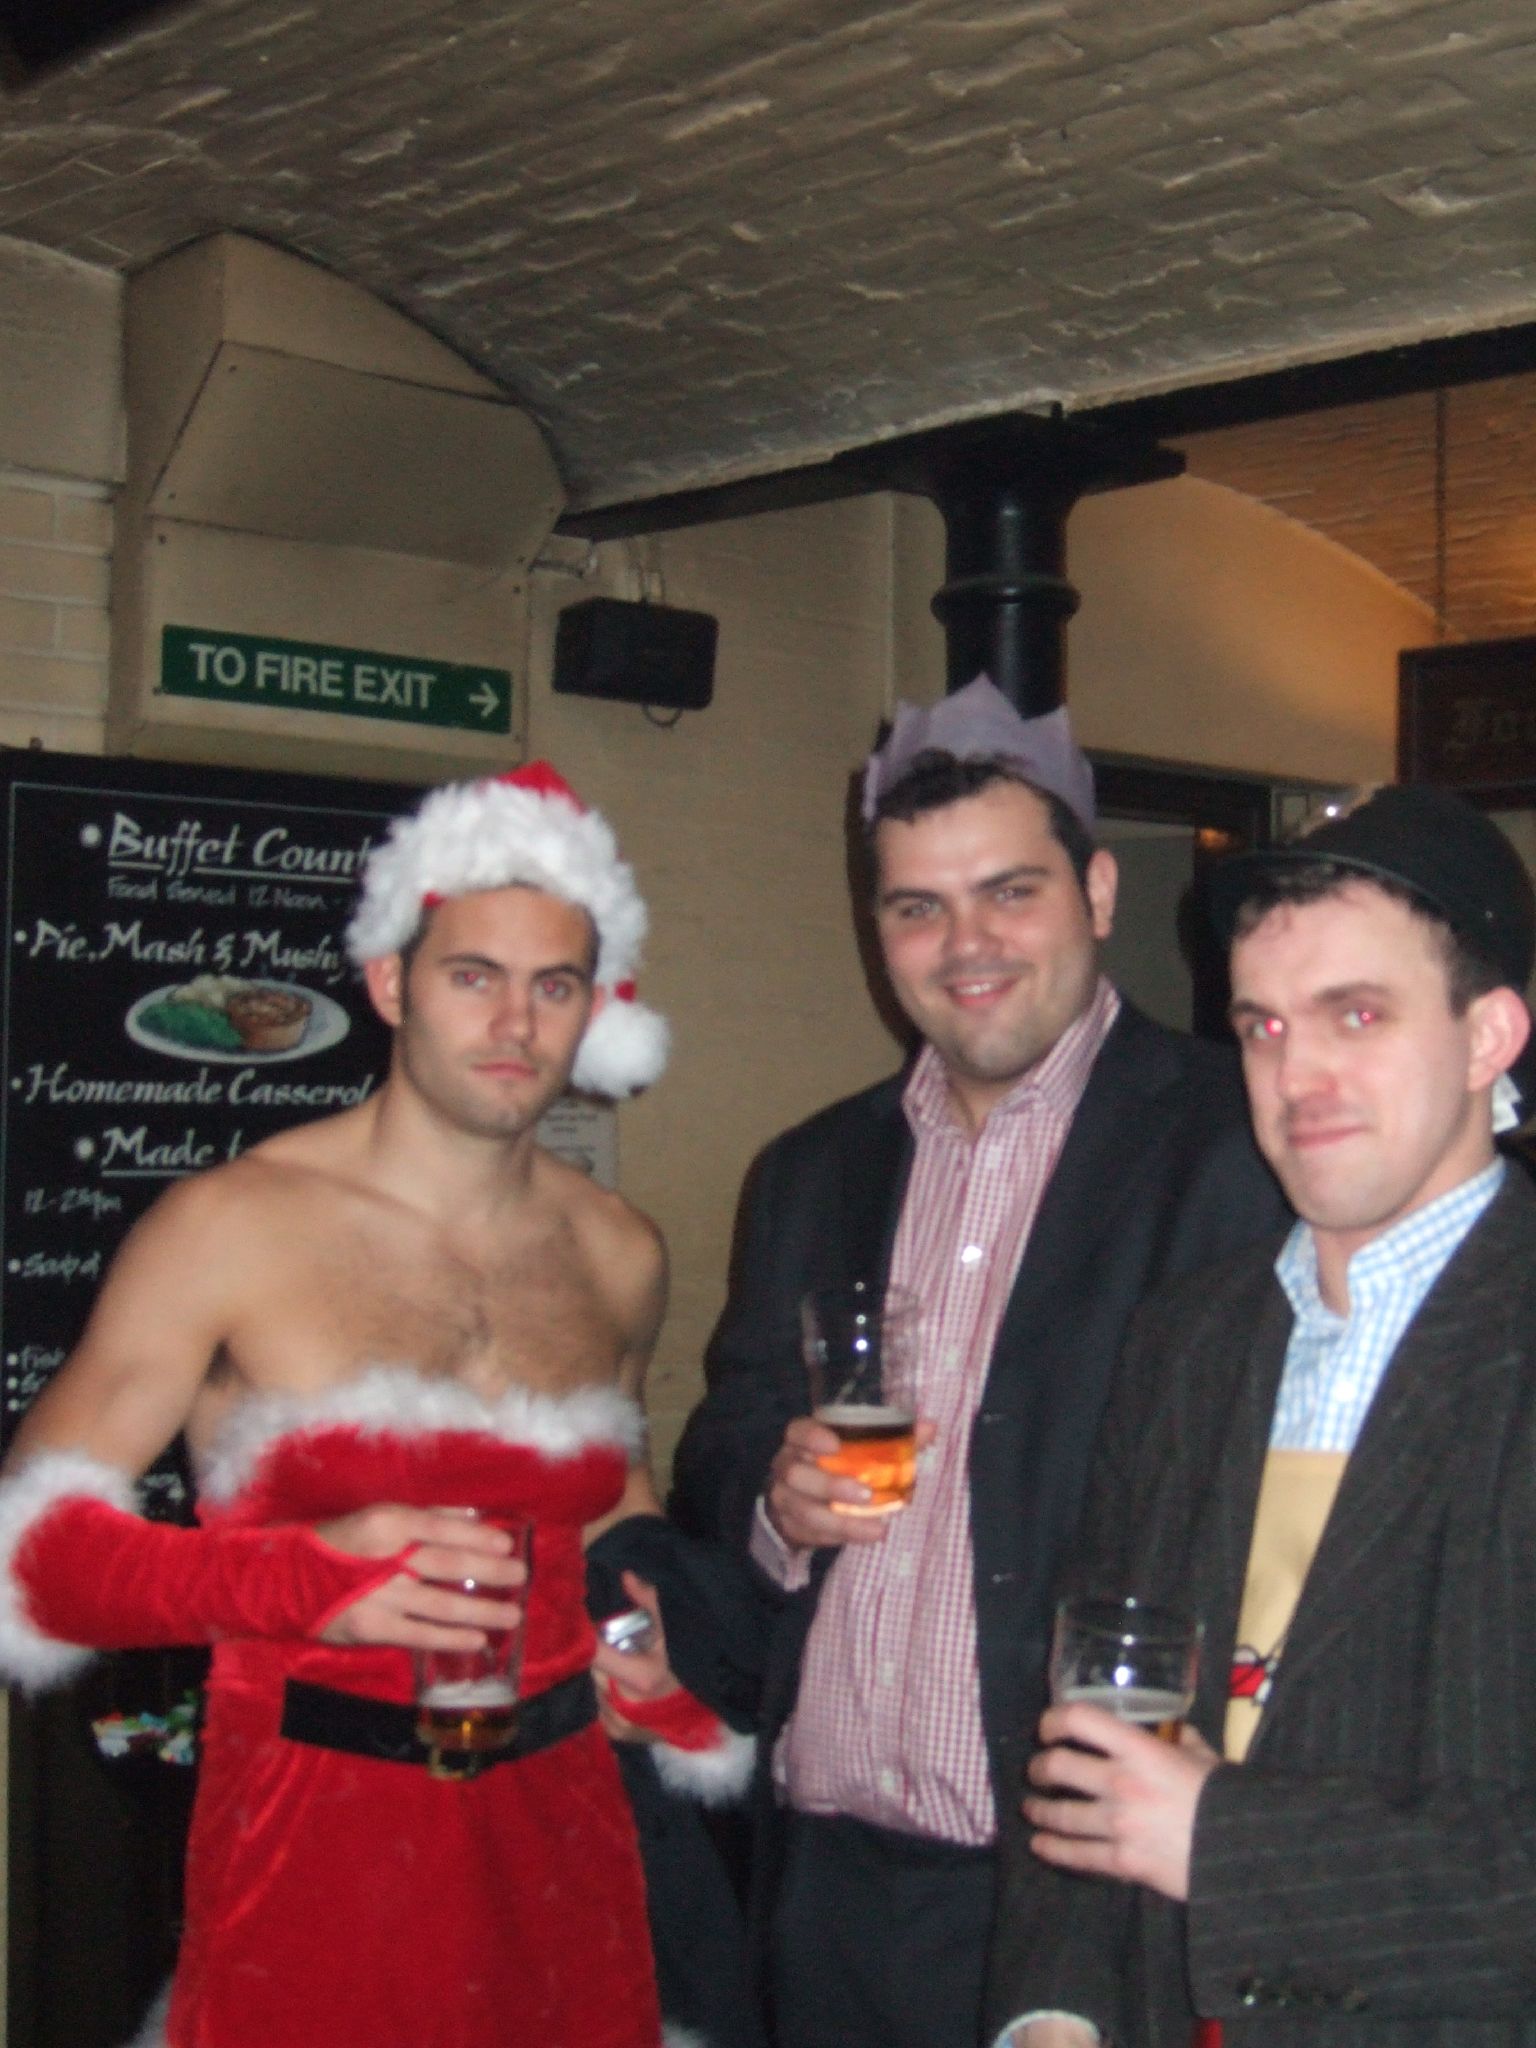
x,y
1467,719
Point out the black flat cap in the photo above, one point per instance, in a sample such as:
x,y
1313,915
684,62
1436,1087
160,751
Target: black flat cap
x,y
1424,839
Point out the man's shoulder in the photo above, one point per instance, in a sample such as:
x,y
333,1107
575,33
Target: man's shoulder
x,y
607,1220
849,1119
1157,1057
218,1216
1172,1094
1216,1289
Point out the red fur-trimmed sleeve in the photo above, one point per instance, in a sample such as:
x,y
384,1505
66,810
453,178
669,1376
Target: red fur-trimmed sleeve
x,y
80,1571
695,1753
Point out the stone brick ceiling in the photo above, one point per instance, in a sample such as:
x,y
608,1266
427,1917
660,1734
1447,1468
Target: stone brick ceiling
x,y
1366,476
702,241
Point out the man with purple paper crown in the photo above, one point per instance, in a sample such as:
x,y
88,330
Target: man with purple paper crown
x,y
1048,1157
410,1304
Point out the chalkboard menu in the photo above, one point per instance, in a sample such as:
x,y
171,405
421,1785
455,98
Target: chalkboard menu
x,y
175,988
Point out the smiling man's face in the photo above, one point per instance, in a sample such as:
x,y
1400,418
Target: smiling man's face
x,y
990,941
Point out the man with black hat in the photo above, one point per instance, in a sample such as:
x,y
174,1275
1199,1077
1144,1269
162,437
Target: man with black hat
x,y
1327,1451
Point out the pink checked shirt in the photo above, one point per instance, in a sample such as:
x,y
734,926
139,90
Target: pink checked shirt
x,y
888,1723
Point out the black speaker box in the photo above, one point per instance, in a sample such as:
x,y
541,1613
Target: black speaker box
x,y
636,654
35,35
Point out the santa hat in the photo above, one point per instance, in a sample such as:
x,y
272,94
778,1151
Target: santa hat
x,y
529,827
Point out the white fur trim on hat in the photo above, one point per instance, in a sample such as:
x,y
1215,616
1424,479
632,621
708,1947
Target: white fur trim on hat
x,y
492,834
717,1776
395,1401
28,1657
623,1048
489,835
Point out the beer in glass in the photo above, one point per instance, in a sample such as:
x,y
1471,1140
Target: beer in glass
x,y
860,1348
1139,1662
466,1700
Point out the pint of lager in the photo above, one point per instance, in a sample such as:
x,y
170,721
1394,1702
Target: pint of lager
x,y
466,1700
1136,1661
861,1359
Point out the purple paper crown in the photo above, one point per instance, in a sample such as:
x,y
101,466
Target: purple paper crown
x,y
979,723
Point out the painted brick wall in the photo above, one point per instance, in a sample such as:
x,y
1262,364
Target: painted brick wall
x,y
55,563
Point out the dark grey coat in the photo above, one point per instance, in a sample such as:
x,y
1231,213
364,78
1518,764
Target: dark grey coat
x,y
1369,1875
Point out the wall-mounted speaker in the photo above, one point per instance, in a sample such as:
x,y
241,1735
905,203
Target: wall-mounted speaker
x,y
35,35
636,654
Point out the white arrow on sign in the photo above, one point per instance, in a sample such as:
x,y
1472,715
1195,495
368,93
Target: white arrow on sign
x,y
487,700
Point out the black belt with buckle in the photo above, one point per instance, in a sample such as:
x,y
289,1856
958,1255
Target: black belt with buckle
x,y
386,1731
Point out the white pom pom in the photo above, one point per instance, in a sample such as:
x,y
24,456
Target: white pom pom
x,y
624,1048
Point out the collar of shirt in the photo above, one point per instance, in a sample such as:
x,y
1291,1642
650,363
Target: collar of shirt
x,y
1057,1080
1334,1363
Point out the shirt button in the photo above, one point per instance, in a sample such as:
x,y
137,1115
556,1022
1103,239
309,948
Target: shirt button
x,y
951,1358
887,1673
890,1784
902,1568
972,1255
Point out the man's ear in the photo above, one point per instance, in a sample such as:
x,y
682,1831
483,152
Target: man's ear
x,y
384,979
1101,885
1500,1026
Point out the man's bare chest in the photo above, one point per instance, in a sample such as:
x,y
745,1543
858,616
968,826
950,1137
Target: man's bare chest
x,y
530,1315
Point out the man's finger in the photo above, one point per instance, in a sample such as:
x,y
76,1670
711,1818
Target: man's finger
x,y
1091,1858
422,1600
816,1525
438,1562
1092,1727
1068,1770
1084,1818
808,1438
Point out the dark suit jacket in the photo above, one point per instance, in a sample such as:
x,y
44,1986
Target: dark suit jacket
x,y
1158,1176
1369,1875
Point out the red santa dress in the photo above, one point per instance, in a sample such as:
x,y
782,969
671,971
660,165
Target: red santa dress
x,y
340,1898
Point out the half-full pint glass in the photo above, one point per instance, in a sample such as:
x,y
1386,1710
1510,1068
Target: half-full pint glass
x,y
860,1351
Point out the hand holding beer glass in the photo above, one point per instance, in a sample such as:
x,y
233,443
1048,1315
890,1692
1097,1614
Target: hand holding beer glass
x,y
860,1350
1136,1661
466,1700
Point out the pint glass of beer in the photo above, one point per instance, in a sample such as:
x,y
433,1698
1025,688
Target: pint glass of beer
x,y
860,1348
1136,1661
466,1700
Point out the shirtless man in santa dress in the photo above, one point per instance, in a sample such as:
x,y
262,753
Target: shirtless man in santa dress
x,y
410,1303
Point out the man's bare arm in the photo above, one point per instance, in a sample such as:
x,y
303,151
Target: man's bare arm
x,y
159,1321
169,1303
641,1293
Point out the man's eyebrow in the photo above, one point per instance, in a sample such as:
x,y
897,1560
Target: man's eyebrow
x,y
578,968
1025,871
1348,991
1320,999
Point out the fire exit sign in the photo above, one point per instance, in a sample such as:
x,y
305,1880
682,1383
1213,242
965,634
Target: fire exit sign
x,y
300,675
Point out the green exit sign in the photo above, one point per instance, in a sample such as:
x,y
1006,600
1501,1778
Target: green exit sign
x,y
300,675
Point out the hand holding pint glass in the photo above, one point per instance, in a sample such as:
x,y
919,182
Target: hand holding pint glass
x,y
860,1349
466,1700
1136,1661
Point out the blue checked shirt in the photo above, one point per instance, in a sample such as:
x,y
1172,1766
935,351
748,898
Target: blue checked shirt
x,y
1333,1363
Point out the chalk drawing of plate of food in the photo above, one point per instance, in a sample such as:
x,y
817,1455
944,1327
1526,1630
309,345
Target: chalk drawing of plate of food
x,y
229,1019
